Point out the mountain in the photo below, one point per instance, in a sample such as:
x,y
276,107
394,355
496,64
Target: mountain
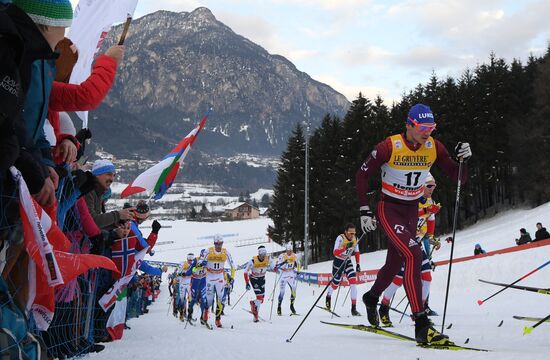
x,y
178,65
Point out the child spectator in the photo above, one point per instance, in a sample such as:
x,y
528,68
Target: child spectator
x,y
478,250
524,237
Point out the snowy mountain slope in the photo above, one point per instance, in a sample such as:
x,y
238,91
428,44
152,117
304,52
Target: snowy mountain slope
x,y
158,335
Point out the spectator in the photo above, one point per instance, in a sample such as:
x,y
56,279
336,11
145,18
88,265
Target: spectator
x,y
478,250
524,237
104,171
541,233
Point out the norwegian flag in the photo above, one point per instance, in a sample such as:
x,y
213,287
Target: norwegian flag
x,y
123,252
48,267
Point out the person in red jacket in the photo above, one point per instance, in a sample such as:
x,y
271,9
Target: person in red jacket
x,y
83,97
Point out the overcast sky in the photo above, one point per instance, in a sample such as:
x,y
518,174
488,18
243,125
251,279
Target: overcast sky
x,y
381,47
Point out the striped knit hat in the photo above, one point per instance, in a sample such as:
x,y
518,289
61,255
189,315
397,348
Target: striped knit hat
x,y
57,13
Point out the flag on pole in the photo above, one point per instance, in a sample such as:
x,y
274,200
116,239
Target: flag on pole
x,y
160,177
92,22
110,297
115,323
47,266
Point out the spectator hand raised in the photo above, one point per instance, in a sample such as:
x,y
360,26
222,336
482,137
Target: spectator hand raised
x,y
116,52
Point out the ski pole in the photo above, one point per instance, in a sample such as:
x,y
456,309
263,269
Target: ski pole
x,y
455,220
239,299
527,330
404,312
400,301
480,302
341,268
347,294
336,301
273,295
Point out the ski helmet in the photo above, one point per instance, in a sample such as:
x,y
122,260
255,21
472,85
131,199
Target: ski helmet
x,y
218,239
288,246
262,250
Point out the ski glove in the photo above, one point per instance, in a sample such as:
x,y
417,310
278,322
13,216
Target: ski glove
x,y
357,267
156,227
247,286
462,150
433,209
368,221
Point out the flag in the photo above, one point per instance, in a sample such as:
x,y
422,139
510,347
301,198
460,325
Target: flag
x,y
160,177
92,21
47,267
109,298
115,323
122,253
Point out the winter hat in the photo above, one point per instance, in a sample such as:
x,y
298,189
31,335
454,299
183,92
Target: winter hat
x,y
48,12
102,167
429,178
262,250
288,246
420,114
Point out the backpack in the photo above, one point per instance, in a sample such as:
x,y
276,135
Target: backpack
x,y
16,342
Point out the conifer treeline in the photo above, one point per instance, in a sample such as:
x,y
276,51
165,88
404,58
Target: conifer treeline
x,y
501,109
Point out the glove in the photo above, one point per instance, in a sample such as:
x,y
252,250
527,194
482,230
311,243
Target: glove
x,y
368,221
462,150
357,267
84,180
156,227
433,209
247,286
435,242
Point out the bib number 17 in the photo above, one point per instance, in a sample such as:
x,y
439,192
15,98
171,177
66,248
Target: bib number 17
x,y
409,177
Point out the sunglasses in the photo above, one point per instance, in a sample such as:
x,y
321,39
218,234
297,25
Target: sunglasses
x,y
423,128
430,186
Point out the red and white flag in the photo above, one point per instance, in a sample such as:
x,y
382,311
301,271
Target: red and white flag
x,y
115,323
48,267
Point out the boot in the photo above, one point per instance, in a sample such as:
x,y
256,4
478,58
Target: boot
x,y
292,310
370,303
190,313
253,308
218,321
384,312
327,302
429,311
354,311
279,311
426,334
182,315
204,317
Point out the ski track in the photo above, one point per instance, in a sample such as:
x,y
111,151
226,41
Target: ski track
x,y
160,336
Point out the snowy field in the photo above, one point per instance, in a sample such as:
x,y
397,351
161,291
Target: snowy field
x,y
158,335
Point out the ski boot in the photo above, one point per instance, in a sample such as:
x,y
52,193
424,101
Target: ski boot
x,y
430,312
354,311
384,312
204,317
292,310
182,315
279,310
425,334
327,302
254,310
218,321
370,303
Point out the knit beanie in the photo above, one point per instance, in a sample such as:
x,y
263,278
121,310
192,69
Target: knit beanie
x,y
102,167
57,13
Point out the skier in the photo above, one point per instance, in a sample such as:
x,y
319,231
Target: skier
x,y
344,246
184,281
254,274
427,209
198,287
289,266
214,260
405,160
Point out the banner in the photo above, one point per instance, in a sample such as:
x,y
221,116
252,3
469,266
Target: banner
x,y
92,21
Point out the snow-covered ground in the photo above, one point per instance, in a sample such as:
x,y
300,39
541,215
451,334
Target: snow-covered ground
x,y
158,335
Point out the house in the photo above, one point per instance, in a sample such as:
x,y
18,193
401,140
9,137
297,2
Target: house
x,y
241,211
